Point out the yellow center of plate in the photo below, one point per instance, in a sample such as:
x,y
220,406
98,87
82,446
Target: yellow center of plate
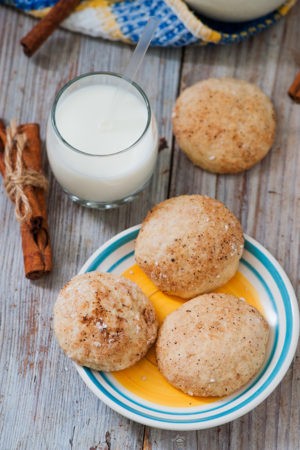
x,y
144,379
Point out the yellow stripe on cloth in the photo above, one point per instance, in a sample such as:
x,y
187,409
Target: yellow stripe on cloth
x,y
94,15
106,18
110,25
192,23
39,13
284,9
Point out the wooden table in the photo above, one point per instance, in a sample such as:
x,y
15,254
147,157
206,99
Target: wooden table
x,y
44,403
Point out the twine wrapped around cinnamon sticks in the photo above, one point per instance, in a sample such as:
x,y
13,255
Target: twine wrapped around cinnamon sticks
x,y
17,178
20,166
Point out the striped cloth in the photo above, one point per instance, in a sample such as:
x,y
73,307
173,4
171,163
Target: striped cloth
x,y
124,21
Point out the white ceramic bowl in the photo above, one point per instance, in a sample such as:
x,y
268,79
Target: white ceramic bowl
x,y
234,10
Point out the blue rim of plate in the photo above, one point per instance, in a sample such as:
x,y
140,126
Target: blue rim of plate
x,y
124,402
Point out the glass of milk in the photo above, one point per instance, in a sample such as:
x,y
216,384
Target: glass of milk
x,y
102,139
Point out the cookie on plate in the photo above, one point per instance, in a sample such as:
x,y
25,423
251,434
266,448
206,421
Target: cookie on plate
x,y
224,125
212,345
189,245
103,321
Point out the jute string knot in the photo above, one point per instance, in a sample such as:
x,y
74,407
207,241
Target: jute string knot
x,y
17,176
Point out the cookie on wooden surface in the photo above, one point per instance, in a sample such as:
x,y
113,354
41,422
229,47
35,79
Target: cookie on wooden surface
x,y
224,125
189,245
212,345
104,321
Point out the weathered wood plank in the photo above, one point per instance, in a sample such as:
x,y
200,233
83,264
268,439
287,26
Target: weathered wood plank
x,y
44,403
266,199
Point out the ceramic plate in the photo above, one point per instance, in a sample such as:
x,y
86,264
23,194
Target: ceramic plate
x,y
141,393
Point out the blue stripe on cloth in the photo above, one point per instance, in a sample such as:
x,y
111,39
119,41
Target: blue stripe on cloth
x,y
28,5
132,16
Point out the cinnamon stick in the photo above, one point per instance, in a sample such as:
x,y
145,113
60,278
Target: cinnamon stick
x,y
34,230
2,145
45,27
294,90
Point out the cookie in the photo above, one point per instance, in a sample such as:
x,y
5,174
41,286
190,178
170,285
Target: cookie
x,y
104,322
224,125
189,245
212,345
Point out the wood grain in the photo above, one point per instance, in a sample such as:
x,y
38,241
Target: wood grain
x,y
43,402
266,199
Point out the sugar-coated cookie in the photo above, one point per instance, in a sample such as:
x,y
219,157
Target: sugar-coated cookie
x,y
212,345
189,245
224,125
104,321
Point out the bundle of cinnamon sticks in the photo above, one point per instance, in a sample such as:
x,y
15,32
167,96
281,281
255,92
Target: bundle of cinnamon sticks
x,y
34,229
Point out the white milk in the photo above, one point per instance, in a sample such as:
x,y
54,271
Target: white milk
x,y
113,135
